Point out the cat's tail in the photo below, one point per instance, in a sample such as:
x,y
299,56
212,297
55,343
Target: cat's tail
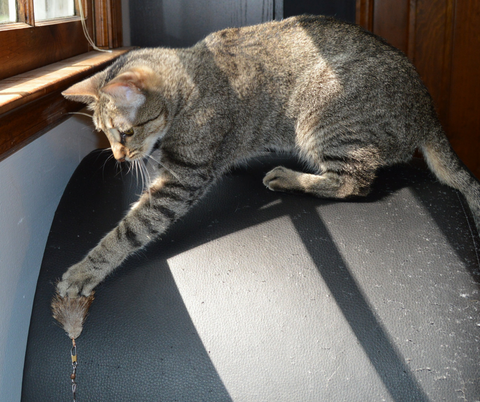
x,y
449,169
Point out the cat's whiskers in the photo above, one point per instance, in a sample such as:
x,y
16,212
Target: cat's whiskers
x,y
132,168
143,174
166,168
106,160
133,165
141,171
146,173
147,177
84,114
141,168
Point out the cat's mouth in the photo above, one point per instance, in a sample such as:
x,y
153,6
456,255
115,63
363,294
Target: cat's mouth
x,y
123,154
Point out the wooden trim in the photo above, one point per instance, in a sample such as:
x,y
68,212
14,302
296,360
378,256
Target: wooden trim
x,y
25,12
27,44
108,23
32,101
23,88
29,48
32,73
12,138
101,24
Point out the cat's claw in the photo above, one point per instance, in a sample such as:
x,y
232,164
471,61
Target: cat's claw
x,y
76,282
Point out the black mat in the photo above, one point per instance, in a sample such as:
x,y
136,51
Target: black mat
x,y
261,296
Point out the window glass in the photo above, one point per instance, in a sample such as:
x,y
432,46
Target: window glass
x,y
8,11
48,9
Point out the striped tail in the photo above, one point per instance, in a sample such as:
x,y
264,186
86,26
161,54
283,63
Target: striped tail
x,y
449,169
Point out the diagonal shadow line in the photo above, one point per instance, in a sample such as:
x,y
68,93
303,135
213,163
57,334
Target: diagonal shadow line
x,y
369,331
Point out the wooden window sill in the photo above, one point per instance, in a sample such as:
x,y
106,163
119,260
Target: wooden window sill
x,y
31,103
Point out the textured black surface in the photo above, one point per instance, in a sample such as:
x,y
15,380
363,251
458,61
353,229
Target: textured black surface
x,y
262,296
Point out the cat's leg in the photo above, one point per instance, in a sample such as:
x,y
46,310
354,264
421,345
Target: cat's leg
x,y
349,176
166,201
325,185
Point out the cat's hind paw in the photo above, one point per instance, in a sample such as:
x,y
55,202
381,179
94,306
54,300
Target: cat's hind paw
x,y
281,179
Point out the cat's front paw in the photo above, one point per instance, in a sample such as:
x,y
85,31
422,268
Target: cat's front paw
x,y
77,281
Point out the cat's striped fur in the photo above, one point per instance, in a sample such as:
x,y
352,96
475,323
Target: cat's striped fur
x,y
343,100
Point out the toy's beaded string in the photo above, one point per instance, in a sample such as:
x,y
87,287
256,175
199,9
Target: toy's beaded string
x,y
73,376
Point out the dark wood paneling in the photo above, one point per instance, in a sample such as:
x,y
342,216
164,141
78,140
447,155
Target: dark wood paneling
x,y
431,49
442,38
463,112
391,21
364,14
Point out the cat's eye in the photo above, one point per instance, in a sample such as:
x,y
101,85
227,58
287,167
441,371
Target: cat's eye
x,y
128,132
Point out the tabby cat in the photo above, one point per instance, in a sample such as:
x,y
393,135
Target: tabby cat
x,y
338,97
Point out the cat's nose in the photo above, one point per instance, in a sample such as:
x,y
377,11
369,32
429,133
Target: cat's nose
x,y
119,152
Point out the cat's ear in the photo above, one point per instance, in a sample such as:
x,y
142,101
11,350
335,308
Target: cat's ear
x,y
127,88
85,91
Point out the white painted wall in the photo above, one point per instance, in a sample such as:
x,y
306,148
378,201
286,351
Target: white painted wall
x,y
32,181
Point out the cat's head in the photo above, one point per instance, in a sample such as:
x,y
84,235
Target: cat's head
x,y
127,108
